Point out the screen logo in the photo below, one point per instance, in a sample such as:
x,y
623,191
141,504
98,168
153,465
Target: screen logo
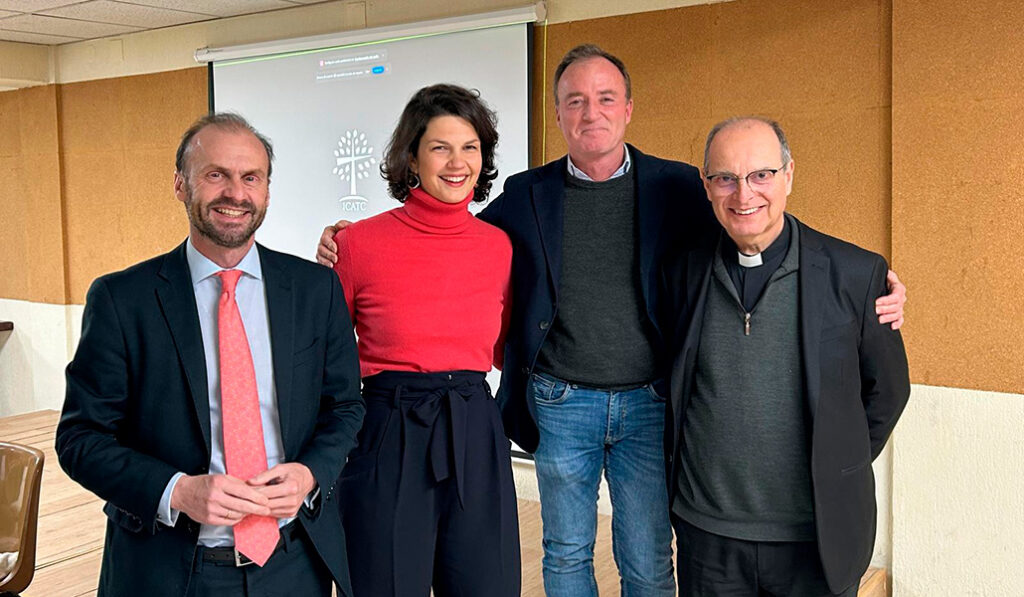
x,y
354,161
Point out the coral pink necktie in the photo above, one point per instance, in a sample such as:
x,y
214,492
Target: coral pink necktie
x,y
244,453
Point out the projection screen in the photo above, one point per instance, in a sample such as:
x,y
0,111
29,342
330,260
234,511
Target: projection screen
x,y
329,113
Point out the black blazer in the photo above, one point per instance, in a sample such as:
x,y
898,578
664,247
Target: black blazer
x,y
137,408
672,212
855,381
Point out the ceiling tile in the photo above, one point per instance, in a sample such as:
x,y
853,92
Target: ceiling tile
x,y
34,5
7,13
221,8
36,38
105,11
65,27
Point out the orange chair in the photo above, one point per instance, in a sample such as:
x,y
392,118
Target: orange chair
x,y
21,473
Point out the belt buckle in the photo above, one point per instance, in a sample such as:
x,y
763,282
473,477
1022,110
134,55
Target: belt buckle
x,y
241,559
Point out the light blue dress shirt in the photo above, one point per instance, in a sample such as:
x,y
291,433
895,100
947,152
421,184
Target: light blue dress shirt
x,y
580,174
252,306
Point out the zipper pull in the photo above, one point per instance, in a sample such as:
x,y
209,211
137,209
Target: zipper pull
x,y
746,324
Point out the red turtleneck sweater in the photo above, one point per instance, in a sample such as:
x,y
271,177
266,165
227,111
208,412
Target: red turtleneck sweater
x,y
427,286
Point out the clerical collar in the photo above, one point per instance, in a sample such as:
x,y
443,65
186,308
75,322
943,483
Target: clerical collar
x,y
749,260
778,247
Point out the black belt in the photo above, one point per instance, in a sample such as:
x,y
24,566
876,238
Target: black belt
x,y
229,556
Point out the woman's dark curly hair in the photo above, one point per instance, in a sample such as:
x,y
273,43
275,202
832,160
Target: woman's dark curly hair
x,y
428,103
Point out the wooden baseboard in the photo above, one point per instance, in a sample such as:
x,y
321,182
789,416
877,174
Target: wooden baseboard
x,y
874,583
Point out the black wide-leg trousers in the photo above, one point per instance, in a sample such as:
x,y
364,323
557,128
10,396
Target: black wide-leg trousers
x,y
427,497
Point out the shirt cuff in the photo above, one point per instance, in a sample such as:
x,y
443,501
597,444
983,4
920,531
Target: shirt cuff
x,y
311,499
166,515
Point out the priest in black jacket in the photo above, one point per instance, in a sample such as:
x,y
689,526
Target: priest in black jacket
x,y
784,387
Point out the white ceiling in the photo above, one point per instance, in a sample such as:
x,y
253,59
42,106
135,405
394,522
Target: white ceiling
x,y
52,22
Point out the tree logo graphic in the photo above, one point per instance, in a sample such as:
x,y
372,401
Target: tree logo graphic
x,y
355,161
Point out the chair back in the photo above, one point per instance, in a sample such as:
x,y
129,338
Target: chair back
x,y
21,473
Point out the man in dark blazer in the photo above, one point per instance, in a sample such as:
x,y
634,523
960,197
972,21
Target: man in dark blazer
x,y
143,415
581,387
530,211
784,387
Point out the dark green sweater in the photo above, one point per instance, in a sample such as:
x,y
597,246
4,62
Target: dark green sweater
x,y
746,446
600,336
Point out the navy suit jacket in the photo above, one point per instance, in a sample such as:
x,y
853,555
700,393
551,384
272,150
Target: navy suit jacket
x,y
672,213
855,381
137,408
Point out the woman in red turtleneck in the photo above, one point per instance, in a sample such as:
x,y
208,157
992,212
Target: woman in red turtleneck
x,y
426,284
427,497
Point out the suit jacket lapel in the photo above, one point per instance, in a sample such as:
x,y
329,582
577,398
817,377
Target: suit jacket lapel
x,y
649,221
814,274
698,279
178,302
548,196
280,308
690,320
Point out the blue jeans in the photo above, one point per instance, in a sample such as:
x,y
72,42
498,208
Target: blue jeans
x,y
582,431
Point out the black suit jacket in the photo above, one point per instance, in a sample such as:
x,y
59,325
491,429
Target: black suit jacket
x,y
672,212
855,382
137,408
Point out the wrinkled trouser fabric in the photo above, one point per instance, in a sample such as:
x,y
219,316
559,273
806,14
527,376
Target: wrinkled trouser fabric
x,y
427,497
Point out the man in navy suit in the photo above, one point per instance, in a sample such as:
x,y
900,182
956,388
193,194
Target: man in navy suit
x,y
585,375
144,424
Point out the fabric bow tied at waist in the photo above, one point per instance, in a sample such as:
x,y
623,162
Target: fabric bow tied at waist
x,y
444,411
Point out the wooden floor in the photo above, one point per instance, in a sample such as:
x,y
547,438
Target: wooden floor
x,y
71,522
71,526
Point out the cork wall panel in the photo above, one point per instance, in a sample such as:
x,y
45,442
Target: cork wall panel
x,y
118,142
821,69
958,163
32,264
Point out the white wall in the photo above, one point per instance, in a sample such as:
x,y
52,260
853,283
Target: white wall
x,y
562,11
34,354
25,65
958,494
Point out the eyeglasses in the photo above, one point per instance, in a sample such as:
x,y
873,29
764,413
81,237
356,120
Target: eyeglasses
x,y
729,182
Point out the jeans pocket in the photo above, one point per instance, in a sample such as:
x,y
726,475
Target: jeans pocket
x,y
654,394
549,391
